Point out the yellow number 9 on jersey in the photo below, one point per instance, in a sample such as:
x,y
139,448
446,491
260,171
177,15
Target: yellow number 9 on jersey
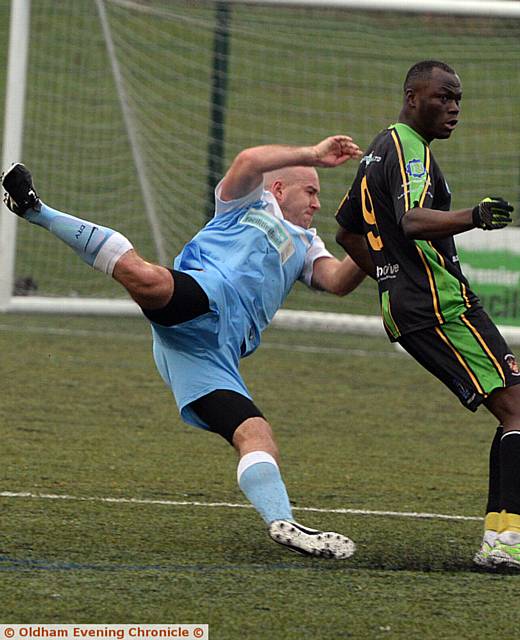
x,y
373,238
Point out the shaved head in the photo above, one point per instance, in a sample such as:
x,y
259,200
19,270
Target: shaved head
x,y
289,175
296,190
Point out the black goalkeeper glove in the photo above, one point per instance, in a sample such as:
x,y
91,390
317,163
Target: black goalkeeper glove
x,y
492,213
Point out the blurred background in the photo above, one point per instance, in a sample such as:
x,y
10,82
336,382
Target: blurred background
x,y
158,96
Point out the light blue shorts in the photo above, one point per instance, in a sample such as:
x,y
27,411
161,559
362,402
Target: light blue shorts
x,y
201,355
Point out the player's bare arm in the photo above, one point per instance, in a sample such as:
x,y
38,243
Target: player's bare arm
x,y
247,169
356,247
336,276
428,224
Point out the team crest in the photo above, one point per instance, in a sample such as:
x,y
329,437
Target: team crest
x,y
415,168
512,364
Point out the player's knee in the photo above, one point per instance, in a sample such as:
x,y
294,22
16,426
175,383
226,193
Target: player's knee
x,y
255,434
154,286
237,419
150,285
254,428
505,404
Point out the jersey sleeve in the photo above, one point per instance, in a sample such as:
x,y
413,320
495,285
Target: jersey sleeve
x,y
316,250
350,214
226,206
397,186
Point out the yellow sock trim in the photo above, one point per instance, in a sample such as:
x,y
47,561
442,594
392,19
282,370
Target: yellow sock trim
x,y
492,521
509,522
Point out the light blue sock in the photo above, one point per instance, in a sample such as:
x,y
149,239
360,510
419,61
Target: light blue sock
x,y
260,479
98,246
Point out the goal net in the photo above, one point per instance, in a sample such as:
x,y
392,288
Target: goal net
x,y
134,106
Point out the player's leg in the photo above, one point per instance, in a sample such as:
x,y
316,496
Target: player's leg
x,y
104,249
469,356
98,246
492,517
150,285
505,405
199,361
258,471
237,419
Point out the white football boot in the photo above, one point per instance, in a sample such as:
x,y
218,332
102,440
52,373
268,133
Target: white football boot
x,y
506,551
482,557
310,542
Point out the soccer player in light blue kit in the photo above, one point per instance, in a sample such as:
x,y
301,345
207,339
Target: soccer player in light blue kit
x,y
225,288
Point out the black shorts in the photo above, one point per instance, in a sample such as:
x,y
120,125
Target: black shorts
x,y
468,354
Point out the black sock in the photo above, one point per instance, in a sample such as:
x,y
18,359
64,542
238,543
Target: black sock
x,y
493,503
510,472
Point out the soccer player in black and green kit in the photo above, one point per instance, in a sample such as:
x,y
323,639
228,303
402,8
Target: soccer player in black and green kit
x,y
396,224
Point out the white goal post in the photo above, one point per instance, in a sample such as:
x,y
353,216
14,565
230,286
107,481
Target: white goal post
x,y
13,135
14,125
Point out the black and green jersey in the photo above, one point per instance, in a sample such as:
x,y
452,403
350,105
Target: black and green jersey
x,y
420,281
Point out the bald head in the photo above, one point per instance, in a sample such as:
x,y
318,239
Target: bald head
x,y
290,175
296,190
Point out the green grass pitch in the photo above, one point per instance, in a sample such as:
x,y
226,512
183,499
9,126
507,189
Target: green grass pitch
x,y
360,426
84,414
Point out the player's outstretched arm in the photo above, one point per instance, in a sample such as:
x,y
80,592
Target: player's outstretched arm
x,y
336,276
429,224
247,169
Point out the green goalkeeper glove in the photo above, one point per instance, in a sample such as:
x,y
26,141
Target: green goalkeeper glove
x,y
492,213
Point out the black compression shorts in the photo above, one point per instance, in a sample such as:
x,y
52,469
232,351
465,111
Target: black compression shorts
x,y
188,301
224,411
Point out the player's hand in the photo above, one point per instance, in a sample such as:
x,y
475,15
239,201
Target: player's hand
x,y
492,213
336,150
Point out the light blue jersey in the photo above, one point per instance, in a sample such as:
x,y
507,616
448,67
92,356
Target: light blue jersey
x,y
247,258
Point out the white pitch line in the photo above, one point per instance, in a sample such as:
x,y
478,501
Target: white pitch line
x,y
231,505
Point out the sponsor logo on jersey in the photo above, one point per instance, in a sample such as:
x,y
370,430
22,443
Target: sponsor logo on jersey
x,y
415,168
512,364
370,158
273,229
387,271
406,186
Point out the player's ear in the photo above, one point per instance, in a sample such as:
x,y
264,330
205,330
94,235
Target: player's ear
x,y
276,189
410,98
